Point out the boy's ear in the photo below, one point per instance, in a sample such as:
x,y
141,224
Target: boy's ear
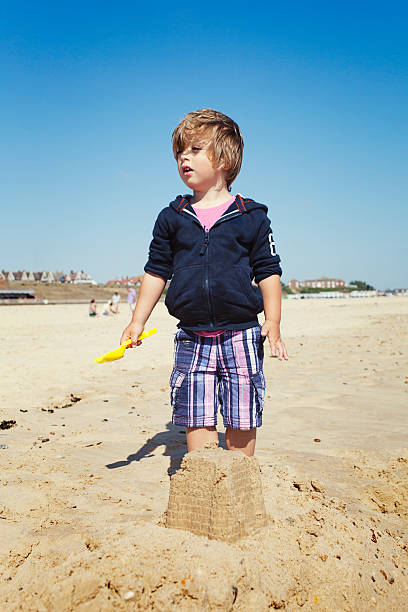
x,y
223,166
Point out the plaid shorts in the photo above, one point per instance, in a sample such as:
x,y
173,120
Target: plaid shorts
x,y
224,370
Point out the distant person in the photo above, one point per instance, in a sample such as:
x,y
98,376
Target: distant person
x,y
107,309
92,309
211,244
131,298
115,302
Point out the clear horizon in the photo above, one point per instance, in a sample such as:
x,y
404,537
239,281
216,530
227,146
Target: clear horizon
x,y
91,95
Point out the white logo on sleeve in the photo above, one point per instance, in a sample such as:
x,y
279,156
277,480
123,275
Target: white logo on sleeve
x,y
272,244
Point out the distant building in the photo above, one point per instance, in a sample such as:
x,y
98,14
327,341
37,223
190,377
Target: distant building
x,y
319,283
47,277
76,278
20,275
79,277
70,277
127,281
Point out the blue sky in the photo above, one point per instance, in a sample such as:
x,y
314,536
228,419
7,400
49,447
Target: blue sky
x,y
91,91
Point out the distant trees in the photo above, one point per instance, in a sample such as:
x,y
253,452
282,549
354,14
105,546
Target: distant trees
x,y
324,289
361,285
285,288
358,285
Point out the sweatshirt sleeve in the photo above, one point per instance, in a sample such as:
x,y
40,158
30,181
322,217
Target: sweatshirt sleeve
x,y
263,257
160,260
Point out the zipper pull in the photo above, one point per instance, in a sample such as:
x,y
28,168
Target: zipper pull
x,y
205,243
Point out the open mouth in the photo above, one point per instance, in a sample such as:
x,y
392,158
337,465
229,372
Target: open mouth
x,y
187,170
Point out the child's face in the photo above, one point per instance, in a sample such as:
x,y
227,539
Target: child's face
x,y
195,167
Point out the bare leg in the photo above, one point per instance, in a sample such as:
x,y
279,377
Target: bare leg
x,y
197,437
235,439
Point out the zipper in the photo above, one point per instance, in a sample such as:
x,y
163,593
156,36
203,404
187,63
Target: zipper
x,y
205,243
206,280
204,253
204,248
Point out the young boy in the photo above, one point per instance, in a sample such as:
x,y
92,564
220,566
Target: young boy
x,y
212,245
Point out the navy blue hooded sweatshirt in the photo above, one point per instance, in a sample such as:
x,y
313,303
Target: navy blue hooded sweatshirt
x,y
211,272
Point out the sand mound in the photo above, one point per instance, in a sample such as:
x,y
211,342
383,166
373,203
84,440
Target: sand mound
x,y
217,494
389,491
145,568
315,553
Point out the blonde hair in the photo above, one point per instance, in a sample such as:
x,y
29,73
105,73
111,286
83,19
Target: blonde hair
x,y
225,140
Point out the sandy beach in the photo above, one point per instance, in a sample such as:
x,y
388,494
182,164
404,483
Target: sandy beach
x,y
86,472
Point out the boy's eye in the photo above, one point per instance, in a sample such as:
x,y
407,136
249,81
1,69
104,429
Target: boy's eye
x,y
194,148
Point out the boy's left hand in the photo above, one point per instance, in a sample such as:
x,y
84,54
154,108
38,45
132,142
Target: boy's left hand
x,y
277,345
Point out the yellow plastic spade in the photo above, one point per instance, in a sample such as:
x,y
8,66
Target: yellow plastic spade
x,y
119,352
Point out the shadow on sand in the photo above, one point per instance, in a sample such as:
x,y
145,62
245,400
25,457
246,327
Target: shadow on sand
x,y
174,442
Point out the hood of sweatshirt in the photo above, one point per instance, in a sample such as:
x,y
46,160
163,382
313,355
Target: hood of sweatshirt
x,y
241,204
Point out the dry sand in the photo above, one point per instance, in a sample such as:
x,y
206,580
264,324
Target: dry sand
x,y
84,484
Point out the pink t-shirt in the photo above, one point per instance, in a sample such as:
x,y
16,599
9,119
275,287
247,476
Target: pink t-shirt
x,y
207,218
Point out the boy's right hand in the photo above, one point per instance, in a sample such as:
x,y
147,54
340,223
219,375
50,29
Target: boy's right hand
x,y
132,331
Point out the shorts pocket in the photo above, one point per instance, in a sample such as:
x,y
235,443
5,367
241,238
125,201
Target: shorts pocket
x,y
176,380
247,346
258,381
186,341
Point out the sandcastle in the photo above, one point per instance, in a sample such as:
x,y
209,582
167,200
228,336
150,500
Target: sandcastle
x,y
217,494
